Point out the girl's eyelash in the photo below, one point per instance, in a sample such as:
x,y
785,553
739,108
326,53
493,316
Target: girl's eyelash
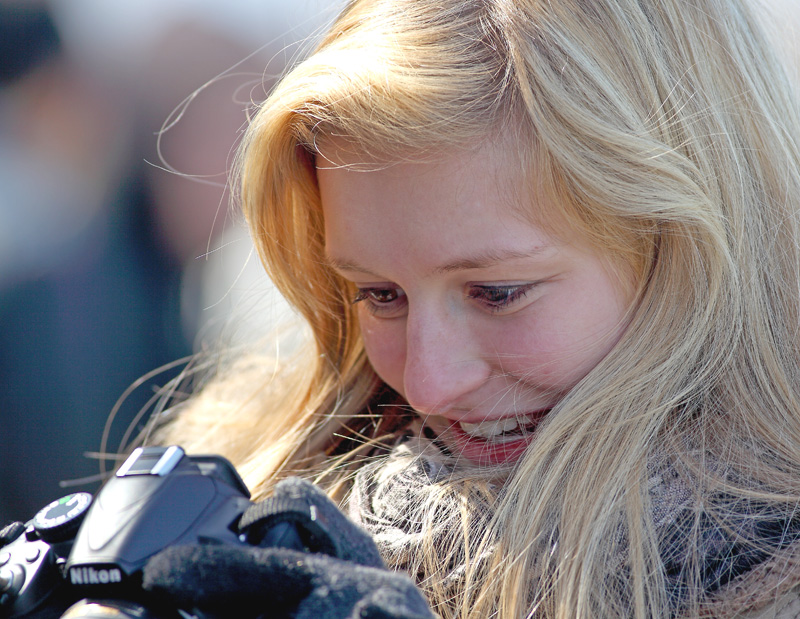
x,y
495,298
386,301
373,294
499,297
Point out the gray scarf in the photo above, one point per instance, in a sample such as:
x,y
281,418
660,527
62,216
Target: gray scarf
x,y
390,493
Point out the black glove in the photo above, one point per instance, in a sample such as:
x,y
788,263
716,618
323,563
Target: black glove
x,y
275,581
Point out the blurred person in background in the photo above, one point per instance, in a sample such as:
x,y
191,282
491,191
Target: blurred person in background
x,y
90,295
118,253
92,258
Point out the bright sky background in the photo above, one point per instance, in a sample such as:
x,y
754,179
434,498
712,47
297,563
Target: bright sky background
x,y
116,32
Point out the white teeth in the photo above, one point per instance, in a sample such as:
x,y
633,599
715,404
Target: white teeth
x,y
492,428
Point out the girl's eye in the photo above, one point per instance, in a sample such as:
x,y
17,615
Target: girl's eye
x,y
385,302
499,298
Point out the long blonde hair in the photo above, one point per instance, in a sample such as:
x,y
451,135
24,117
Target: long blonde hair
x,y
668,132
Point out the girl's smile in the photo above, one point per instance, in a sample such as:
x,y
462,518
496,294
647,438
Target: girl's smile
x,y
478,317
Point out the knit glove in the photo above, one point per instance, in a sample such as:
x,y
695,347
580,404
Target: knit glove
x,y
331,569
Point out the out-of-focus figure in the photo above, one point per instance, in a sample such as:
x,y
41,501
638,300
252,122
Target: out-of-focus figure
x,y
119,254
90,298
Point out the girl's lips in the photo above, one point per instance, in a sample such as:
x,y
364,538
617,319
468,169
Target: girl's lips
x,y
504,449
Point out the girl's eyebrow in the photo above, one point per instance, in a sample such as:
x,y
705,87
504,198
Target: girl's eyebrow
x,y
480,261
339,264
489,259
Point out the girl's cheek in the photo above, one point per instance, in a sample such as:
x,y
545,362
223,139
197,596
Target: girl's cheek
x,y
385,344
544,353
557,353
530,359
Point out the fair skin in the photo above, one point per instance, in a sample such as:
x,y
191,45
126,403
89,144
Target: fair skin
x,y
479,318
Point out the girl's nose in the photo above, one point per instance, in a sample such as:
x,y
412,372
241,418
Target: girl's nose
x,y
443,363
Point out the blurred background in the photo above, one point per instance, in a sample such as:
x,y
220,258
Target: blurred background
x,y
119,253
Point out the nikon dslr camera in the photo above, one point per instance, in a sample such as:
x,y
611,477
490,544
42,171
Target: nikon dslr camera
x,y
83,558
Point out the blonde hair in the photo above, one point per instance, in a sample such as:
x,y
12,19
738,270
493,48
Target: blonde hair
x,y
668,132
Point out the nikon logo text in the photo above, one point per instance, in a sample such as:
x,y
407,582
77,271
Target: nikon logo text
x,y
92,576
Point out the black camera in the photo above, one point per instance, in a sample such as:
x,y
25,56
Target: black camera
x,y
83,558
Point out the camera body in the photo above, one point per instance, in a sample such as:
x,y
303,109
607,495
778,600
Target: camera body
x,y
78,548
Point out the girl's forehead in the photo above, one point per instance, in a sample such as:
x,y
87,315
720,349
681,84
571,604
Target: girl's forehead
x,y
483,169
448,189
497,164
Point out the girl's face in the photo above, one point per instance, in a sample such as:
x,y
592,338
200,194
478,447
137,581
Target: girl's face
x,y
479,318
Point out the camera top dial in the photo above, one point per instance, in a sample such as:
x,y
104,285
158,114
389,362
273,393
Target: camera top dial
x,y
60,520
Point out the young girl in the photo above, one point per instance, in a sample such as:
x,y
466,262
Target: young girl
x,y
549,253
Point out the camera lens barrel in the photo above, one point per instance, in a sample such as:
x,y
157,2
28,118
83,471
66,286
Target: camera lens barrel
x,y
106,609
